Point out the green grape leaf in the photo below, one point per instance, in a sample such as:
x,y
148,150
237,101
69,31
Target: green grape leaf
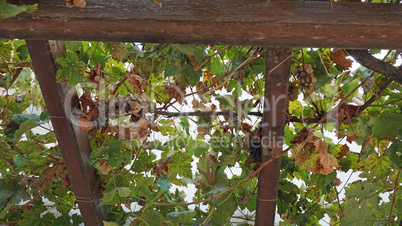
x,y
289,135
324,182
348,87
143,162
395,154
200,149
164,184
167,127
186,125
123,191
380,166
387,125
187,75
22,52
72,69
36,218
24,127
224,208
109,197
180,163
307,112
184,217
186,49
156,145
39,119
233,156
66,219
116,155
216,67
149,217
10,10
295,108
170,70
359,208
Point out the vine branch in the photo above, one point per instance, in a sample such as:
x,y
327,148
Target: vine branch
x,y
45,180
394,198
367,60
209,57
251,175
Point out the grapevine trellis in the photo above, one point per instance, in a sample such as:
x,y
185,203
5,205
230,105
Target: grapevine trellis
x,y
276,25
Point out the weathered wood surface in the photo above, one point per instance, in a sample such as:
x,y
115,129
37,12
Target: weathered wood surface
x,y
273,129
74,144
243,22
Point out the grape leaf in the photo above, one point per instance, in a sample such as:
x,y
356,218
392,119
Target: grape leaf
x,y
185,49
24,127
207,167
395,154
39,119
66,219
10,10
200,149
36,218
312,155
180,163
380,166
184,217
72,69
149,217
358,209
387,125
225,207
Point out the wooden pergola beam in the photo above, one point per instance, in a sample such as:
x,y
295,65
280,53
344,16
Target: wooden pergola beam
x,y
74,144
243,22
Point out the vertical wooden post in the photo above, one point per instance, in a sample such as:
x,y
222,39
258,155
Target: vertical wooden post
x,y
74,144
273,125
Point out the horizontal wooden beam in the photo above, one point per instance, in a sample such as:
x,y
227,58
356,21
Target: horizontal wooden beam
x,y
243,22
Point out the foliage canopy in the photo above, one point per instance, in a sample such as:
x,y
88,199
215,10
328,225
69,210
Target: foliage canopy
x,y
146,150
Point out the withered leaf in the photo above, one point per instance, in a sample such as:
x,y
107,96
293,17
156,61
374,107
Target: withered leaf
x,y
312,154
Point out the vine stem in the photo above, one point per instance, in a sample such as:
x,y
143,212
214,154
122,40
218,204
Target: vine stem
x,y
119,84
243,218
209,215
339,204
251,175
394,198
209,57
245,63
16,64
340,103
52,171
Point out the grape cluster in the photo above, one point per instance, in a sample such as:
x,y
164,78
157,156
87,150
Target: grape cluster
x,y
293,92
305,76
99,78
255,149
255,144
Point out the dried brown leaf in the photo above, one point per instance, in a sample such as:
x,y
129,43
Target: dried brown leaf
x,y
338,56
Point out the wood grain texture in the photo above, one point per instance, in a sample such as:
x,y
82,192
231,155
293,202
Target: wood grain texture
x,y
244,22
74,143
273,129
